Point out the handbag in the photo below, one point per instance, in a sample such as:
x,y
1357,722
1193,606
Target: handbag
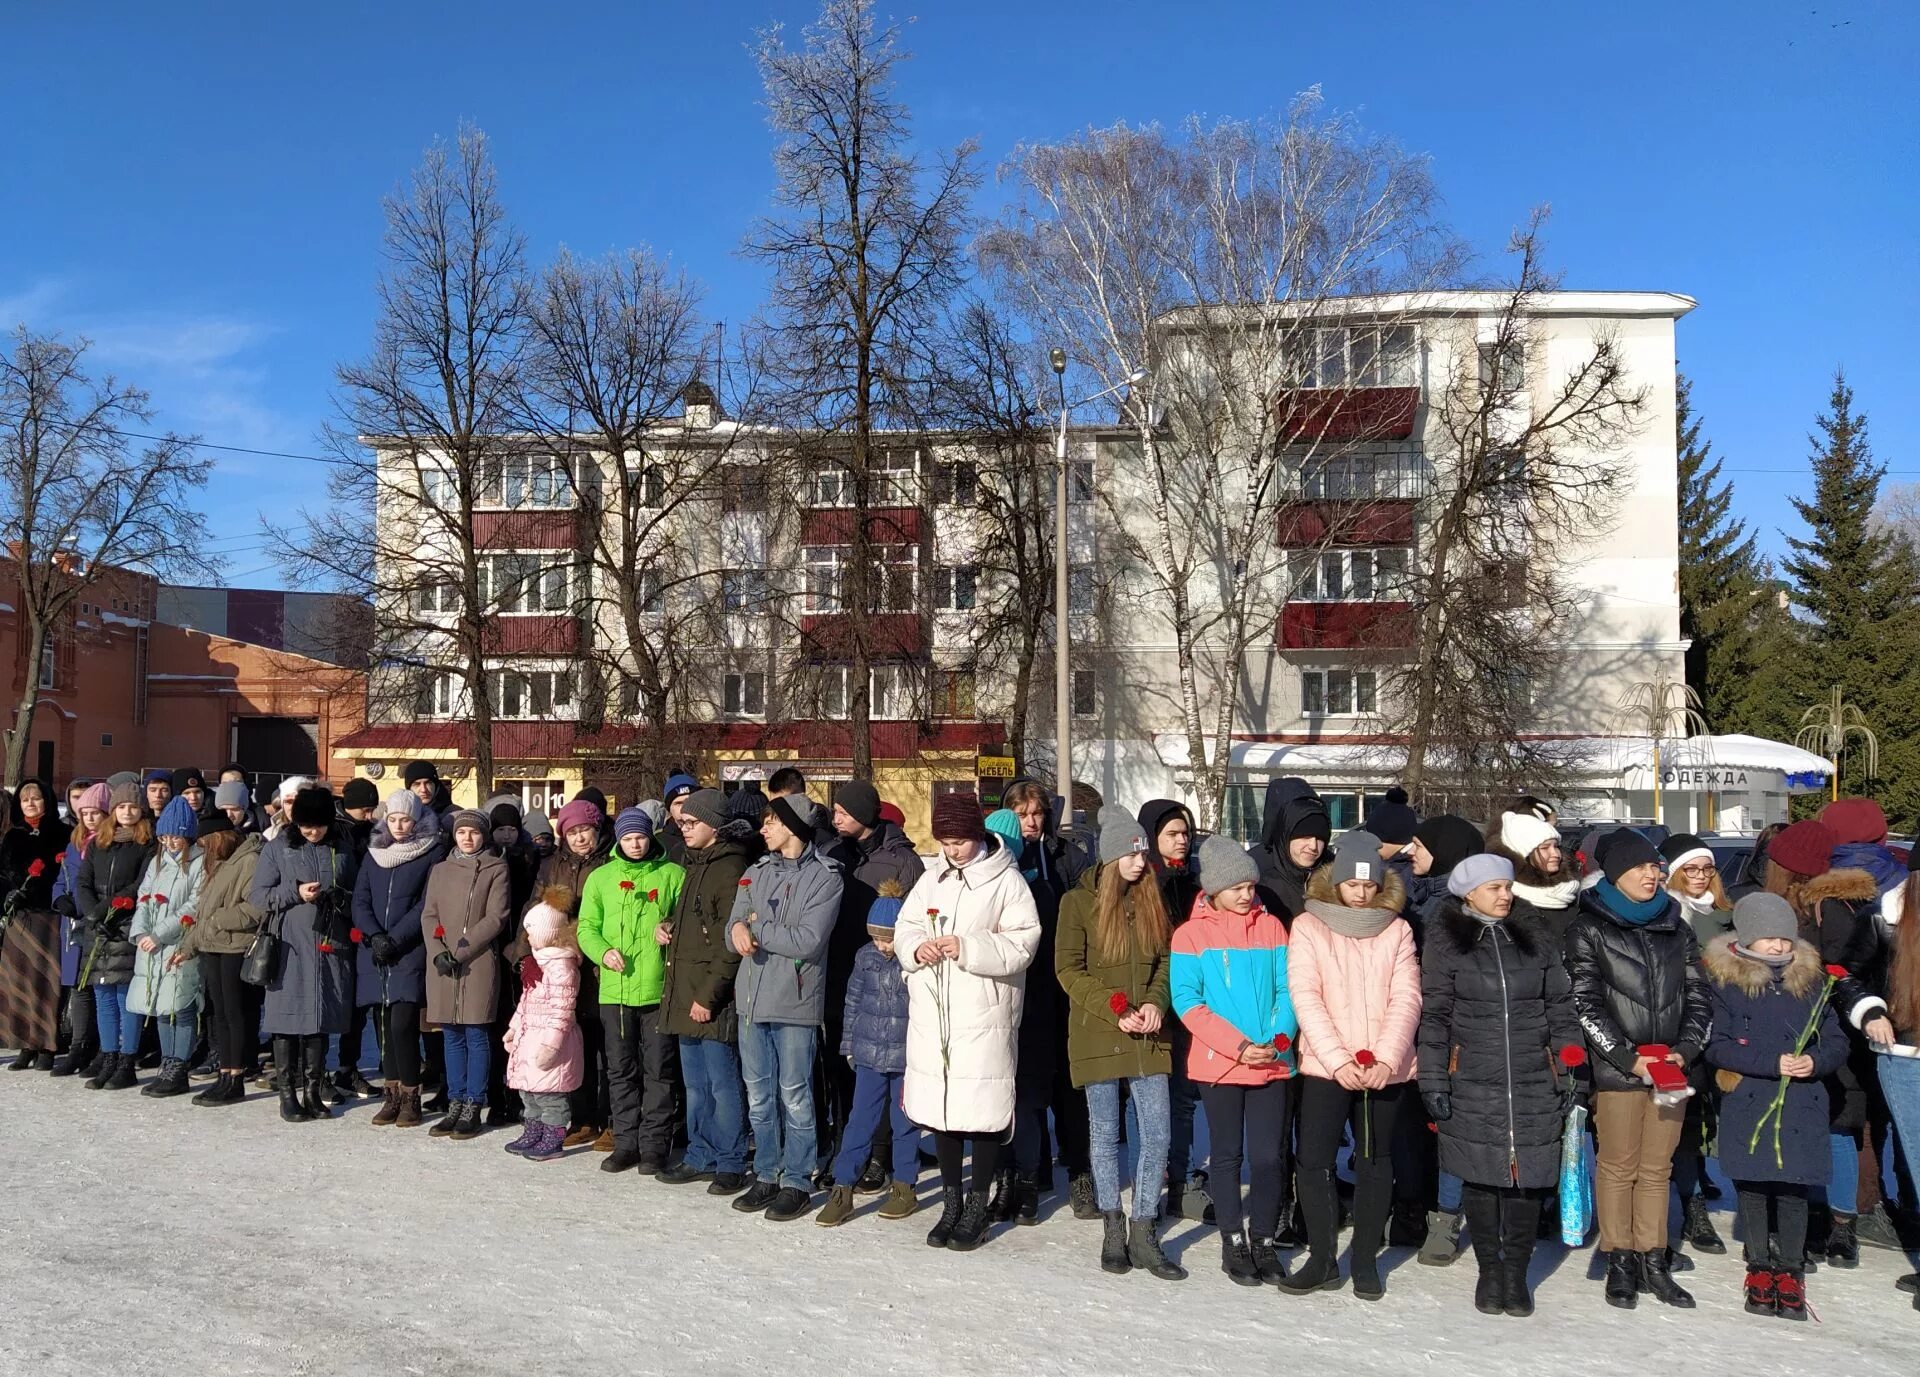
x,y
262,960
1576,1181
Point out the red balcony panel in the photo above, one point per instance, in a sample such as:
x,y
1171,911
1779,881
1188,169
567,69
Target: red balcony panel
x,y
557,634
524,530
1347,413
1346,625
885,526
891,635
1382,521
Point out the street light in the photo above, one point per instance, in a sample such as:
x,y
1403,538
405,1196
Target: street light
x,y
1062,670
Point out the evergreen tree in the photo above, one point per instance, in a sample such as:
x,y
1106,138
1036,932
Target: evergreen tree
x,y
1722,598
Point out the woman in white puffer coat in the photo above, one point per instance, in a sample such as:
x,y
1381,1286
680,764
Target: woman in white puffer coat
x,y
966,935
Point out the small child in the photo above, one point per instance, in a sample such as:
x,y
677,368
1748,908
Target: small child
x,y
874,1040
1766,984
544,1053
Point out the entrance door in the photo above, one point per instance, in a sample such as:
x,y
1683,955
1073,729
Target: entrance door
x,y
271,748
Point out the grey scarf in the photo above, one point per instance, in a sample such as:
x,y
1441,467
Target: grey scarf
x,y
1358,923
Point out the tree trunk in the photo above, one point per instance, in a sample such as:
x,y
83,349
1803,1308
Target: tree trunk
x,y
22,734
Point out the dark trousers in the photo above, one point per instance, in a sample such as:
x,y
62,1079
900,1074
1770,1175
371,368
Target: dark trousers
x,y
397,1025
76,1018
1326,1111
590,1106
1503,1221
1183,1100
950,1147
355,1038
1773,1216
234,1016
1033,1100
641,1067
1247,1123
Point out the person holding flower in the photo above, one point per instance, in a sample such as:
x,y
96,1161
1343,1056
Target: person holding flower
x,y
388,898
30,952
166,986
1111,957
84,1048
1228,982
1355,985
105,895
461,921
1776,1036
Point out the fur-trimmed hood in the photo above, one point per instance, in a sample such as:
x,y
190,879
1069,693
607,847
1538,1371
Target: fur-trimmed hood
x,y
1847,884
1392,896
1727,967
1464,930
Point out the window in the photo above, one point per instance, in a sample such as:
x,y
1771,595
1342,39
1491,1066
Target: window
x,y
437,595
653,588
535,693
896,580
1504,582
1394,474
743,488
954,586
1080,588
648,483
1357,356
746,694
527,582
1504,370
830,486
1513,692
106,739
1080,480
744,590
46,664
1349,575
893,480
826,574
1085,693
953,693
438,693
889,690
1336,692
535,480
957,483
437,487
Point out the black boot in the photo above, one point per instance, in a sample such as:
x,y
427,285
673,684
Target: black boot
x,y
1481,1206
1001,1207
1321,1211
1520,1217
1236,1260
104,1067
1113,1245
1657,1271
951,1203
123,1077
286,1076
1080,1192
1320,1272
1699,1230
1143,1250
171,1081
1843,1249
74,1060
1623,1278
314,1053
971,1231
1026,1205
25,1061
212,1094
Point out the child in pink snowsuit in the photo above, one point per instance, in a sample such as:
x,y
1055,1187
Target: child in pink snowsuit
x,y
543,1041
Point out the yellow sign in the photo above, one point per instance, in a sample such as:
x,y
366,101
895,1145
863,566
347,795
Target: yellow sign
x,y
994,767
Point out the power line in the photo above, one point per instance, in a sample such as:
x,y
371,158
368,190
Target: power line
x,y
195,444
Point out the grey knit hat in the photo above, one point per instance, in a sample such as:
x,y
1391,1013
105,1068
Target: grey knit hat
x,y
1224,864
1357,857
1761,915
708,806
233,794
1475,871
1121,834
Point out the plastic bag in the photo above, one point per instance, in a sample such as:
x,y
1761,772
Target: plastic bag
x,y
1576,1181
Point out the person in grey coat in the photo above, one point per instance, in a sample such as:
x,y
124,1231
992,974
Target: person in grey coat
x,y
783,918
304,888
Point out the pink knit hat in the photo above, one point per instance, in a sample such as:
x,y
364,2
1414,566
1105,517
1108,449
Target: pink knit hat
x,y
97,796
579,813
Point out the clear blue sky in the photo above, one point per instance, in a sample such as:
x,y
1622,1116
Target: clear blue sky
x,y
197,186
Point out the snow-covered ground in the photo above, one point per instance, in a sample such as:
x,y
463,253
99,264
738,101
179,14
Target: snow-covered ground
x,y
152,1237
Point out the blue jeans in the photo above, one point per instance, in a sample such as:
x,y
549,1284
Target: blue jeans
x,y
1900,1083
469,1058
1449,1198
176,1031
119,1032
1153,1118
776,1061
1842,1193
716,1105
877,1093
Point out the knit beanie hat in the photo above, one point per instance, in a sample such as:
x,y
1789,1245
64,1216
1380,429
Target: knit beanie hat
x,y
708,806
861,800
474,818
127,793
213,824
96,796
1476,870
232,794
890,812
1622,850
1224,864
1806,848
593,796
630,821
547,919
1357,857
1004,823
158,777
185,778
799,814
1683,848
505,814
537,825
1393,820
654,809
1524,833
747,804
119,777
882,914
1121,834
1449,839
580,813
360,793
678,784
1760,915
956,817
418,770
177,820
405,802
1310,822
292,785
1855,820
313,806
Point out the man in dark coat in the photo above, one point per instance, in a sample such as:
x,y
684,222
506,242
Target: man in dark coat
x,y
1291,813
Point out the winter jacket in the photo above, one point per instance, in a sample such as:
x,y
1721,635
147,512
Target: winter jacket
x,y
1758,1013
624,901
1354,993
543,1044
108,886
1229,985
1179,886
167,908
66,904
226,923
312,990
465,914
884,854
963,1023
790,907
565,870
1496,1007
1844,927
21,849
1096,1048
873,1031
1052,866
700,962
1282,883
1635,984
388,898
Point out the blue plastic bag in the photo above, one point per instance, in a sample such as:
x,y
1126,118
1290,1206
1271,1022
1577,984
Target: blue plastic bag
x,y
1576,1181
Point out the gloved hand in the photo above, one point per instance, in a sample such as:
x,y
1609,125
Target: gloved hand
x,y
1439,1105
446,965
64,906
385,951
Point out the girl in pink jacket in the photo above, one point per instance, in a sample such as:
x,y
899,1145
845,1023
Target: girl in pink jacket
x,y
543,1040
1356,991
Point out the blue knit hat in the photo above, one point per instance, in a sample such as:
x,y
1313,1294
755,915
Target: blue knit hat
x,y
678,785
1005,824
632,820
158,777
177,819
881,917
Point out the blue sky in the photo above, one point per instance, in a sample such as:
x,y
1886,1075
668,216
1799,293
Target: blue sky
x,y
197,186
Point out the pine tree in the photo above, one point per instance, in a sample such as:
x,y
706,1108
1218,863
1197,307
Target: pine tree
x,y
1721,577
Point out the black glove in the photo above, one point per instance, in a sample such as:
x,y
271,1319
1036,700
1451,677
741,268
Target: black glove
x,y
446,965
1439,1105
384,950
64,906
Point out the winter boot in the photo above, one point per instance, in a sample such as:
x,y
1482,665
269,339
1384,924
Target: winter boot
x,y
951,1203
1843,1249
409,1113
1408,1226
1026,1205
901,1201
873,1177
529,1135
1236,1260
353,1083
313,1053
1699,1229
456,1115
1001,1207
123,1077
1518,1216
43,1062
439,1103
315,1098
838,1209
1293,1226
1368,1284
1113,1247
25,1061
1790,1289
104,1067
1080,1192
579,1137
790,1204
548,1145
1321,1209
1762,1299
1143,1250
471,1124
389,1109
728,1183
971,1231
1442,1245
1656,1270
1320,1272
215,1093
1490,1291
1266,1261
74,1060
1623,1278
1877,1229
171,1081
759,1195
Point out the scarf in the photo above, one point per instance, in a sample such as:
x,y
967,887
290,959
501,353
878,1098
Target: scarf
x,y
399,853
1701,907
1778,963
1559,895
1626,910
1357,923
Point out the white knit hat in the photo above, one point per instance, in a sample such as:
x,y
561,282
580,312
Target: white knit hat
x,y
1524,833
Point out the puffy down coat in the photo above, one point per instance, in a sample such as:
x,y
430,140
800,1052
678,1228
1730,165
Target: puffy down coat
x,y
1635,984
1354,993
873,1033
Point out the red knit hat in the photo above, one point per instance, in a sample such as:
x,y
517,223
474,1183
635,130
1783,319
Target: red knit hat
x,y
957,817
1806,848
1855,820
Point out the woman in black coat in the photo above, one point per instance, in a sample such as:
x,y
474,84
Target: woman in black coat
x,y
30,948
1496,1004
391,977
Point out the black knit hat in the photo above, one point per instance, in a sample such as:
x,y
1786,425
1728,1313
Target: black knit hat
x,y
861,800
796,814
1393,819
360,793
1624,850
418,770
186,777
1450,839
313,807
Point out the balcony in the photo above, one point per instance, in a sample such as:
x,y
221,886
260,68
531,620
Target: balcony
x,y
885,526
531,634
1311,524
1346,413
890,635
1346,626
525,530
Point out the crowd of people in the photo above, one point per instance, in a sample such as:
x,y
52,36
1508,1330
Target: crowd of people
x,y
773,999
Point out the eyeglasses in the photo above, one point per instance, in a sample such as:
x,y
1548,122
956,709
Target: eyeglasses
x,y
1699,870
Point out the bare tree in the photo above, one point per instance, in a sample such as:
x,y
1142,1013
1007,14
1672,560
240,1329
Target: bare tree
x,y
866,248
1211,259
82,500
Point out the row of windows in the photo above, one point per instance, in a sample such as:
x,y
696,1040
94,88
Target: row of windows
x,y
1349,575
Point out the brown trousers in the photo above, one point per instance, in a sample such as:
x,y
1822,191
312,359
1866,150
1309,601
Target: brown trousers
x,y
1633,1156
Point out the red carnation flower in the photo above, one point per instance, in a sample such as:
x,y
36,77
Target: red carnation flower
x,y
1573,1055
186,920
626,884
326,949
1281,1042
36,870
1837,972
744,882
933,913
355,936
1363,1059
653,896
440,931
123,903
1119,1003
158,898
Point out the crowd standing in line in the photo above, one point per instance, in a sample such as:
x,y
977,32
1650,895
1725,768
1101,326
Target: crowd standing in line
x,y
773,999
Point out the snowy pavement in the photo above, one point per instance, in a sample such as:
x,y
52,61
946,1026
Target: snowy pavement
x,y
155,1237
